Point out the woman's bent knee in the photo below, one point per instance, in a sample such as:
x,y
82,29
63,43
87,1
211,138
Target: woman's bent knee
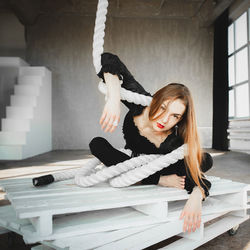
x,y
96,144
207,162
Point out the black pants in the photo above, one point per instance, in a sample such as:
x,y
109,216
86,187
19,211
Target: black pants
x,y
109,156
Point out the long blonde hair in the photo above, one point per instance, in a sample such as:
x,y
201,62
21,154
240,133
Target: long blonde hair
x,y
187,127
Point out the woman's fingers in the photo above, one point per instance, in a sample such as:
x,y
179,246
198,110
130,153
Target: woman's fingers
x,y
115,124
110,125
105,122
198,223
194,222
104,113
111,122
191,222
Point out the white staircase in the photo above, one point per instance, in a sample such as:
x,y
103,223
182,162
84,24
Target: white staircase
x,y
239,135
26,130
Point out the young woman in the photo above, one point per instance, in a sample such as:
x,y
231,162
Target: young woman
x,y
158,129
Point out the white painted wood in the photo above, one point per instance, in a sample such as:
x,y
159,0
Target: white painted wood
x,y
148,236
12,138
210,232
16,125
143,238
10,151
30,112
30,80
42,224
23,101
91,241
91,222
239,135
43,247
8,218
27,89
108,209
15,112
158,210
33,71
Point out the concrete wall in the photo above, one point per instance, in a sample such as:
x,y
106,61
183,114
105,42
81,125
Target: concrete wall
x,y
156,51
8,78
12,41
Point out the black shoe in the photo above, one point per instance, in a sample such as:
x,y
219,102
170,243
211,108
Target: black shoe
x,y
43,180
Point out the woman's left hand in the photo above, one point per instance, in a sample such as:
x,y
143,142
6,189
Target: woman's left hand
x,y
192,213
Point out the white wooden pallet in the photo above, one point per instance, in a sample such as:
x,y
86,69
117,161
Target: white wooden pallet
x,y
37,213
145,237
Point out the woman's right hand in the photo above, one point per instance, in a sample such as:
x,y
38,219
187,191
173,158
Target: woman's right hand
x,y
110,115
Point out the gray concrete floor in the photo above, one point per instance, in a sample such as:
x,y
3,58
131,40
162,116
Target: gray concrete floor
x,y
230,165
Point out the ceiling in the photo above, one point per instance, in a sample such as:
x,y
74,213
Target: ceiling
x,y
205,10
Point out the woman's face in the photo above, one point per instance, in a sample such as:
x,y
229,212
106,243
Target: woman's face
x,y
171,114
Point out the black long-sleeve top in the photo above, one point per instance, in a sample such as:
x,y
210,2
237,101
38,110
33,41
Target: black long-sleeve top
x,y
140,144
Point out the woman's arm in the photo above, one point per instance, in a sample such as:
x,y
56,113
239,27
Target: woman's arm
x,y
191,212
111,113
112,64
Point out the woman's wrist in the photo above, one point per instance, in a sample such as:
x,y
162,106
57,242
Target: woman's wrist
x,y
197,193
113,87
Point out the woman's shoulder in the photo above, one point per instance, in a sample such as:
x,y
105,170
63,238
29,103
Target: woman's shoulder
x,y
136,110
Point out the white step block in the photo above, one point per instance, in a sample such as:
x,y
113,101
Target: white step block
x,y
27,89
12,138
12,62
30,80
19,112
13,152
33,71
23,101
15,124
239,144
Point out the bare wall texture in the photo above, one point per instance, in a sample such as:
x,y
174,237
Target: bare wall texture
x,y
156,51
12,40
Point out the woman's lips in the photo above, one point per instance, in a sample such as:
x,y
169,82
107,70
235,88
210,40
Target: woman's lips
x,y
159,125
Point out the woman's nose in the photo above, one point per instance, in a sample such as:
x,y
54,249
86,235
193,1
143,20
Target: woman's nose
x,y
165,118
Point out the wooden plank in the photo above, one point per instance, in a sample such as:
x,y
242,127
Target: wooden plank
x,y
212,205
105,200
210,232
67,188
27,208
110,240
99,221
8,218
90,222
43,224
91,241
158,210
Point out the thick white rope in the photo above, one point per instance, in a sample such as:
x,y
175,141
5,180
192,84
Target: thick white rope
x,y
148,169
86,179
98,42
128,95
136,168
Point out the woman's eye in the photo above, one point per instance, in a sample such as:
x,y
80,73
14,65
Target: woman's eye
x,y
163,108
176,116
